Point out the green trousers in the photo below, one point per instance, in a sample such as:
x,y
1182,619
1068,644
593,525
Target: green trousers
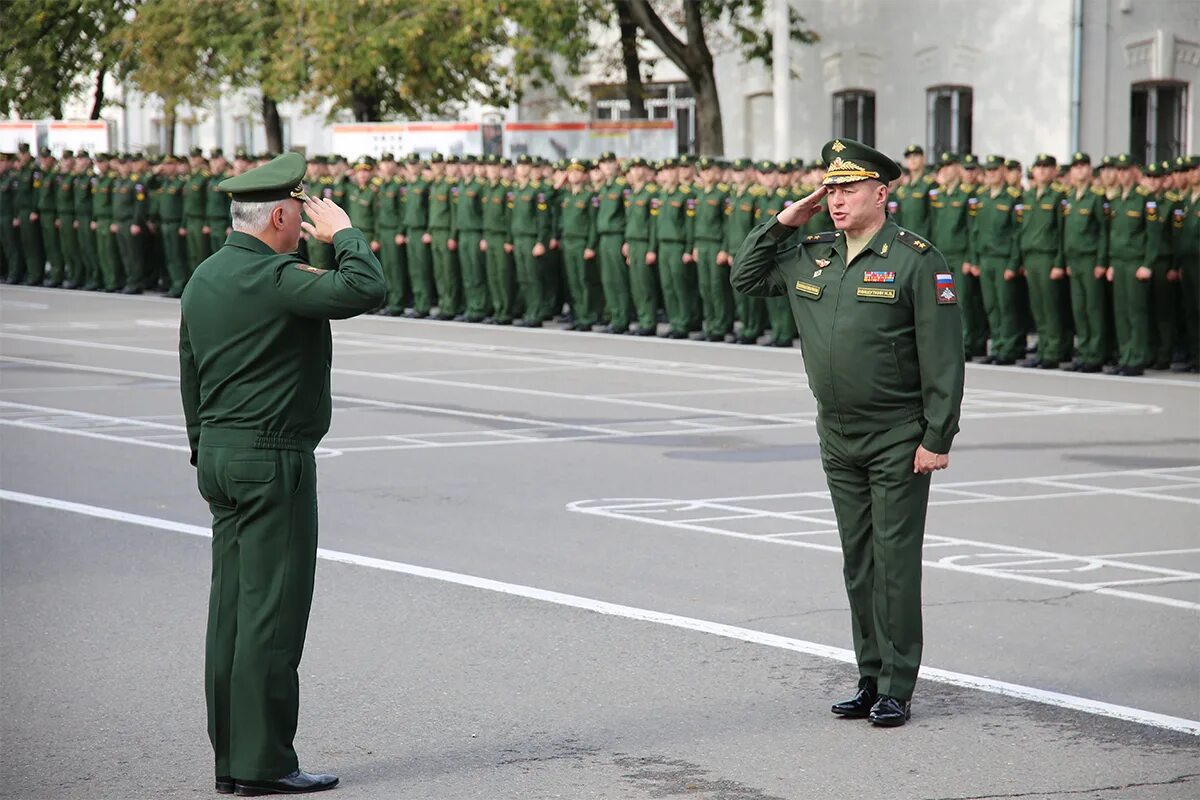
x,y
133,256
1000,305
716,294
501,277
1164,312
880,507
69,240
1087,307
447,274
587,297
1131,309
420,271
397,279
1189,281
112,275
970,301
643,285
216,236
14,257
197,243
264,552
556,283
1045,300
752,311
174,257
674,275
783,324
86,238
529,278
35,253
53,246
614,277
473,266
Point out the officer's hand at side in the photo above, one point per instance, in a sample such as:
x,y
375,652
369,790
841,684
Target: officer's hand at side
x,y
1143,273
802,211
539,250
508,248
925,462
483,245
327,219
625,251
1172,275
1099,272
33,216
589,254
374,247
1109,273
1056,273
651,258
398,238
427,238
451,245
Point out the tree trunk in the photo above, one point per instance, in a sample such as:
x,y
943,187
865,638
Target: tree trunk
x,y
365,106
633,64
169,128
98,95
273,124
710,134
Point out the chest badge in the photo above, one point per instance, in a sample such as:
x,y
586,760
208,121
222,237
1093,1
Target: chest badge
x,y
879,277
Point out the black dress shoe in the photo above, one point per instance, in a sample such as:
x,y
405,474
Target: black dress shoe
x,y
299,782
888,712
1048,365
1132,372
224,784
987,360
747,340
858,706
131,290
646,331
677,335
1030,363
1089,368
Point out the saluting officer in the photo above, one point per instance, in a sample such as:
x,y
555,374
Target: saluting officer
x,y
877,310
254,356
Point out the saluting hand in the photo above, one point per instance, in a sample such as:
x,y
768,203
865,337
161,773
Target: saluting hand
x,y
802,211
327,219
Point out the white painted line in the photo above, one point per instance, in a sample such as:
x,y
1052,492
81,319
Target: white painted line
x,y
933,674
1141,553
1122,492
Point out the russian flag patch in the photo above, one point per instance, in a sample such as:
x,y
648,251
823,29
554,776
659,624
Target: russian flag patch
x,y
944,283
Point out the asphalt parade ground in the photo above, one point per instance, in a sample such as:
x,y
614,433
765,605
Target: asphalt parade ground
x,y
562,565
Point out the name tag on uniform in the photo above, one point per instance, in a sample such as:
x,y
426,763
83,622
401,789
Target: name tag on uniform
x,y
879,277
810,289
876,293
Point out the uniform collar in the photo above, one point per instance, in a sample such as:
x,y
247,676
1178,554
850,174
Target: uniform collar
x,y
882,243
250,242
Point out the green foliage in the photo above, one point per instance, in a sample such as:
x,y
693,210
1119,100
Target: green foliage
x,y
755,38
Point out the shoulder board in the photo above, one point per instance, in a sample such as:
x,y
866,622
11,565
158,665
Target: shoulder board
x,y
505,182
915,242
1055,186
1142,191
815,238
967,187
1014,191
685,188
377,181
928,178
724,187
782,192
1172,196
313,270
620,181
1098,191
651,187
535,184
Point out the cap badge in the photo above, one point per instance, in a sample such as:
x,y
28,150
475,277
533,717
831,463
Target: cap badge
x,y
837,146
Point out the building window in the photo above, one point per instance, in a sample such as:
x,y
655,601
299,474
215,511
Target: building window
x,y
948,119
663,101
854,116
1158,121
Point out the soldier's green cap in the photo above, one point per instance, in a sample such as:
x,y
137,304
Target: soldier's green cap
x,y
125,158
1080,157
1012,163
216,152
704,162
1185,163
196,152
607,155
765,166
797,164
83,154
437,158
388,157
470,159
849,161
914,150
947,158
68,154
45,153
1154,169
413,158
364,162
278,179
524,158
23,147
139,156
970,161
1123,161
1045,160
453,159
240,153
741,164
685,161
1107,161
636,161
578,165
993,162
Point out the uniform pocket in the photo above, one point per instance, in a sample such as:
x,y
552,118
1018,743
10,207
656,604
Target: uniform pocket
x,y
251,471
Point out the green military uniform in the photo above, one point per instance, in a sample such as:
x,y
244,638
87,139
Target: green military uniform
x,y
46,204
531,227
170,212
779,310
389,208
112,275
614,273
64,190
10,236
447,274
882,342
909,205
320,255
1085,249
949,226
468,232
85,185
1129,249
577,233
1187,245
716,295
1161,223
29,183
216,213
496,207
641,239
739,221
254,352
420,265
994,248
674,221
130,208
1040,217
195,196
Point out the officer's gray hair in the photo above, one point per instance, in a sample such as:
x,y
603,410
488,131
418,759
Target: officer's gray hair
x,y
253,217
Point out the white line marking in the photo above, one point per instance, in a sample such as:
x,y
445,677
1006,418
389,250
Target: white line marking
x,y
1141,553
1122,492
933,674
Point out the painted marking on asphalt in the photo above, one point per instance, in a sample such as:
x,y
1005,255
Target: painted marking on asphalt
x,y
984,684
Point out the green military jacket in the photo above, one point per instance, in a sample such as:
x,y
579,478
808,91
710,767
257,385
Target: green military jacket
x,y
216,205
468,211
1085,225
530,212
711,206
122,200
65,196
881,336
361,206
195,195
389,208
1187,239
993,226
496,204
339,187
441,204
739,221
254,340
1127,216
610,214
676,215
577,216
641,215
170,201
416,205
909,205
44,198
1040,216
1161,215
8,194
102,199
820,222
949,225
23,199
83,189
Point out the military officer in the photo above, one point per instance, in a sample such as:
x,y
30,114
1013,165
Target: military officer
x,y
708,253
1130,253
674,220
417,239
771,200
1085,253
496,244
1187,244
256,407
446,271
641,246
912,197
531,233
467,234
46,205
950,205
877,311
65,222
740,220
995,252
577,233
29,182
112,274
10,242
1040,218
1162,220
389,215
85,232
216,203
172,234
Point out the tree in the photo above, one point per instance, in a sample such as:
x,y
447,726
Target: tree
x,y
631,60
52,50
743,19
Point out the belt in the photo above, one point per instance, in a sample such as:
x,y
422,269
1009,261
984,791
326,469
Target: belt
x,y
214,436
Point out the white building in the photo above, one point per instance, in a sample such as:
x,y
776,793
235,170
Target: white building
x,y
1013,77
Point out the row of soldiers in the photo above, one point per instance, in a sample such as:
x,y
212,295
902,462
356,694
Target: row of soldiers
x,y
626,246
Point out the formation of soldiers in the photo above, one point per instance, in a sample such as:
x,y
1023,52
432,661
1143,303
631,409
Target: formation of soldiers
x,y
1102,264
